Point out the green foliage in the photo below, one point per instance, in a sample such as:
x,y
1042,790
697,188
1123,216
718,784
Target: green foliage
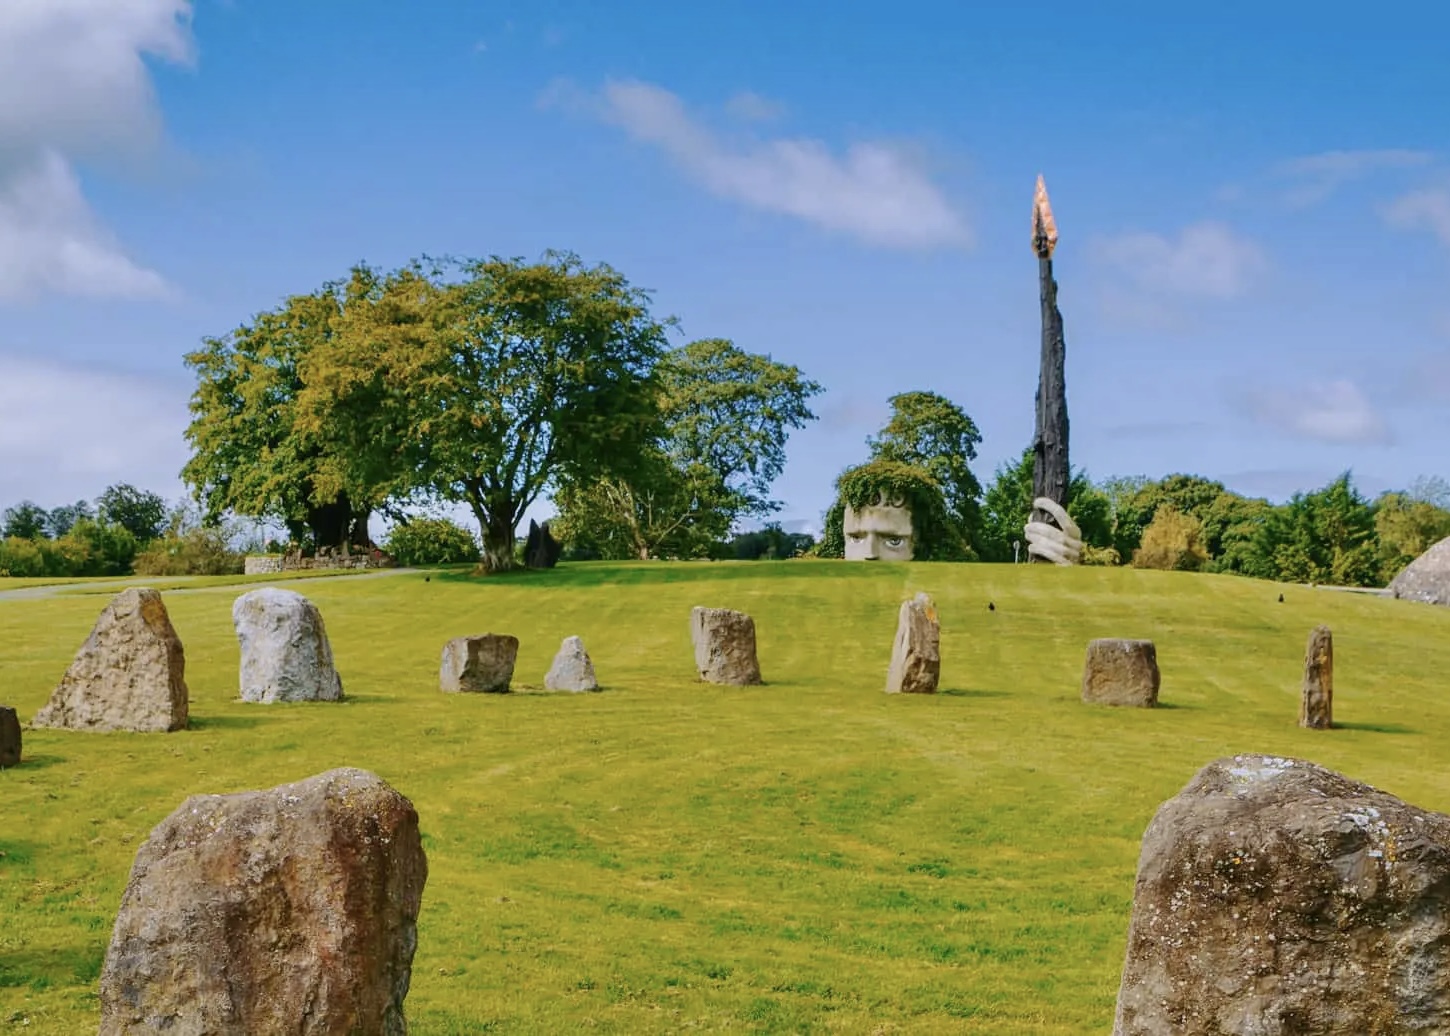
x,y
251,455
192,544
1008,503
770,543
1172,542
140,512
431,541
934,532
1188,494
108,547
60,519
27,520
490,387
931,432
1405,528
1322,537
726,415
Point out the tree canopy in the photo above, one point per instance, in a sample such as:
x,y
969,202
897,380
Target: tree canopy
x,y
931,432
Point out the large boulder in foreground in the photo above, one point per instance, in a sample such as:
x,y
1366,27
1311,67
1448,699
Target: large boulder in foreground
x,y
130,674
1121,672
1427,578
1277,898
916,651
292,910
286,655
724,643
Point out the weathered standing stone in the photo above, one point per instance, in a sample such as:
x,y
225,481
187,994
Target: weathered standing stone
x,y
572,669
292,910
541,550
916,652
286,655
1276,898
724,646
130,674
1427,578
1316,708
1121,672
9,737
482,663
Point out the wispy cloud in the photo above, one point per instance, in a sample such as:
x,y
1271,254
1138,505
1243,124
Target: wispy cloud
x,y
1324,411
68,432
74,86
749,106
874,191
1317,177
1426,210
1152,273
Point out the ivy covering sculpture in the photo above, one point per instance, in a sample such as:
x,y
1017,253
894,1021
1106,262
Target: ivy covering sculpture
x,y
888,511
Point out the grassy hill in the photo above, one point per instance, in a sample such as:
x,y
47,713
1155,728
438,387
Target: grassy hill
x,y
807,856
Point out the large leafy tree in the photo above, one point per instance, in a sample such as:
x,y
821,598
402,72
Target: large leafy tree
x,y
140,512
1327,536
27,520
930,432
486,382
726,415
251,455
60,519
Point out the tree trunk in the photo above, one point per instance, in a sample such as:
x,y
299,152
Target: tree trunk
x,y
1050,463
498,539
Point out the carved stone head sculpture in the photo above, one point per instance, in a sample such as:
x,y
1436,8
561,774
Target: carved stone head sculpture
x,y
888,511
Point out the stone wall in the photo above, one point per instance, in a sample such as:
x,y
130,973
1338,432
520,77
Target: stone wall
x,y
258,564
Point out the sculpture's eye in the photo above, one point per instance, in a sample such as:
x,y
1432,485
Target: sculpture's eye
x,y
895,541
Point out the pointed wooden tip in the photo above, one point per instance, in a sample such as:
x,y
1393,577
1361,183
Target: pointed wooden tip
x,y
1044,228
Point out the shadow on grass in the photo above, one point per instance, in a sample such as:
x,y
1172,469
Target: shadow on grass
x,y
15,853
35,762
225,722
972,692
1377,728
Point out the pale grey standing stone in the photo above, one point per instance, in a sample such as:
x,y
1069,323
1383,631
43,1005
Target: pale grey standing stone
x,y
292,910
724,646
1121,672
130,674
1316,707
9,737
484,663
1277,898
916,651
286,655
572,669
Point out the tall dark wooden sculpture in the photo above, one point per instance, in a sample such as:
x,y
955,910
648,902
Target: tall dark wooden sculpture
x,y
1049,447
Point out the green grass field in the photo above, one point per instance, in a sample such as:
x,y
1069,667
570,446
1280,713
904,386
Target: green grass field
x,y
807,856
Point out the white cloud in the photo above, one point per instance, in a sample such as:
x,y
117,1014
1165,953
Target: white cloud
x,y
1319,176
1333,412
1427,209
74,87
66,433
749,106
1208,260
875,191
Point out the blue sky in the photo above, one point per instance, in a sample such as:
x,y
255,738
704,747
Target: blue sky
x,y
1254,209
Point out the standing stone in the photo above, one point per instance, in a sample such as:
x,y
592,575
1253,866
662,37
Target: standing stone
x,y
1121,672
724,646
130,674
572,669
9,737
292,910
541,550
482,663
1276,898
1427,578
285,652
1316,709
916,652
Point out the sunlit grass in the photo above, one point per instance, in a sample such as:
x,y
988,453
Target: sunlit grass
x,y
809,855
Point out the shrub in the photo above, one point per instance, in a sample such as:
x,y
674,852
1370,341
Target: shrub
x,y
1100,555
432,541
99,548
196,551
1172,541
